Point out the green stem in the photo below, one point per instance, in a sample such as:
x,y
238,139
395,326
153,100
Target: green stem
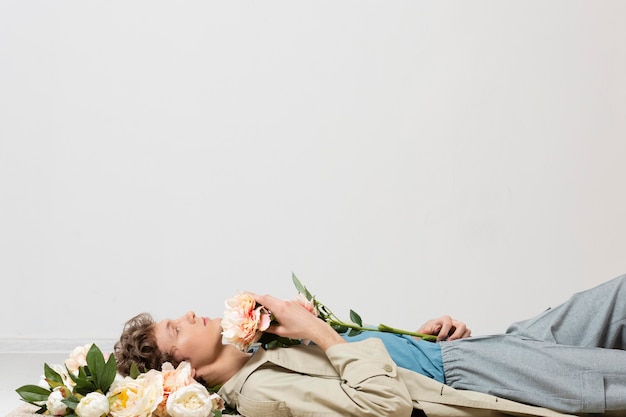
x,y
382,328
385,328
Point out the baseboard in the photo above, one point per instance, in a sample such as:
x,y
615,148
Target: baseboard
x,y
31,345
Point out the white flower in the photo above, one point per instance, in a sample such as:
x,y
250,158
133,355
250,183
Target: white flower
x,y
191,401
54,404
136,397
93,404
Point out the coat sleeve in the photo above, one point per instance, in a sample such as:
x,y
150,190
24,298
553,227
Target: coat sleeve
x,y
365,382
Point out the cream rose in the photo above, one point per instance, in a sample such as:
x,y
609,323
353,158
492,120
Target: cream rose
x,y
139,397
93,404
190,401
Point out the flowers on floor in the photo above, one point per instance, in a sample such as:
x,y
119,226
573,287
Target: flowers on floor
x,y
88,385
245,321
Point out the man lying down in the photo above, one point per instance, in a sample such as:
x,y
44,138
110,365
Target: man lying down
x,y
568,360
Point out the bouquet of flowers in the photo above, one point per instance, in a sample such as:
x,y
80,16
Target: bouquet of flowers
x,y
88,385
245,321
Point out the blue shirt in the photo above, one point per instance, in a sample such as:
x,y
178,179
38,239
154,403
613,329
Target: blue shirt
x,y
419,356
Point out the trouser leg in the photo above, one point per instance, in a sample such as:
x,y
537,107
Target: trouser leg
x,y
569,379
592,318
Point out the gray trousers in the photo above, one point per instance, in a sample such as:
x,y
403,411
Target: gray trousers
x,y
569,358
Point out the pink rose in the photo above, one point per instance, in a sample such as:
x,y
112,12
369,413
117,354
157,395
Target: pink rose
x,y
78,358
244,321
173,379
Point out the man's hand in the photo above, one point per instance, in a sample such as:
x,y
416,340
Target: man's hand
x,y
296,322
445,328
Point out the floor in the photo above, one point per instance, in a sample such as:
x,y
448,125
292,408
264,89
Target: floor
x,y
17,369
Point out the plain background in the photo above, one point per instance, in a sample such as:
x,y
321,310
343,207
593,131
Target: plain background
x,y
405,159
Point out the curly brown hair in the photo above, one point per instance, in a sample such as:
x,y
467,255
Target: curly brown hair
x,y
138,345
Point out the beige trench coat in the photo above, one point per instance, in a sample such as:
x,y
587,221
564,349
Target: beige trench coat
x,y
353,379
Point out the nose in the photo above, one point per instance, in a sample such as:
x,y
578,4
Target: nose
x,y
190,316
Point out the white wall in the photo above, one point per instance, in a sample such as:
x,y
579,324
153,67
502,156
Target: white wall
x,y
405,159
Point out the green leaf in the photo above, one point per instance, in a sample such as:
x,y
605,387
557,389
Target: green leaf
x,y
95,363
339,328
33,393
51,374
134,371
71,402
83,375
215,388
301,288
270,340
42,409
84,387
53,378
108,374
84,381
297,283
354,332
356,318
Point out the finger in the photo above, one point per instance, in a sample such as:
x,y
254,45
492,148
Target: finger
x,y
257,297
265,300
429,328
275,329
443,335
447,328
455,334
459,332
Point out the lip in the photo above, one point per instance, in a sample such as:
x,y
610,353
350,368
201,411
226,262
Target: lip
x,y
205,320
